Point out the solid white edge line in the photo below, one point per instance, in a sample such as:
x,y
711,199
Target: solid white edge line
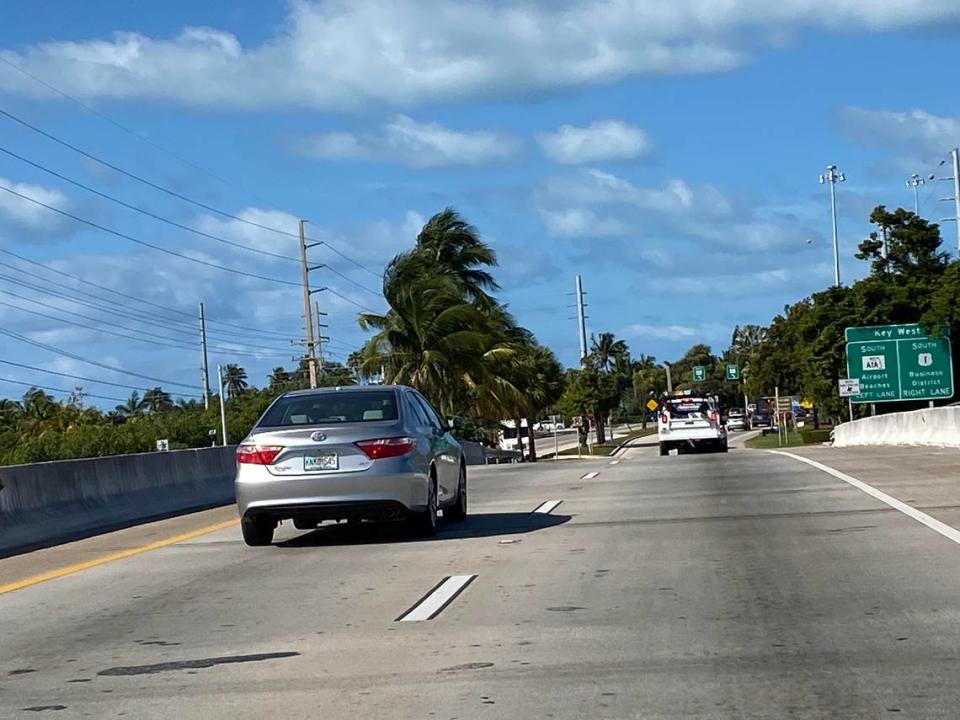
x,y
590,476
430,606
614,462
947,531
548,507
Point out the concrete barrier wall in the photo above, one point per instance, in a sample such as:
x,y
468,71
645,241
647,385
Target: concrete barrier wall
x,y
46,503
931,426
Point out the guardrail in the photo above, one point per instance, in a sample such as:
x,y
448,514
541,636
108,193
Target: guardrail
x,y
938,427
46,503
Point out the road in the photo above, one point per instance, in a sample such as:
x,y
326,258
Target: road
x,y
745,585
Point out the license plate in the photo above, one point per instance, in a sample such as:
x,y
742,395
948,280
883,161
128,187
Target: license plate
x,y
316,463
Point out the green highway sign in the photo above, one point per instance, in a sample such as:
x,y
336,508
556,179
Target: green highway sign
x,y
899,362
733,372
699,373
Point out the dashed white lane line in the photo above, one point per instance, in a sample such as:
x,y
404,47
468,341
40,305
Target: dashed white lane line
x,y
436,601
589,476
948,532
614,462
545,508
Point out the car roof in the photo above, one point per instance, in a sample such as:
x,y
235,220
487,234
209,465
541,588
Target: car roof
x,y
343,389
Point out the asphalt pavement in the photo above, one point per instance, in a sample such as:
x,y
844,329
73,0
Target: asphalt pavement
x,y
744,585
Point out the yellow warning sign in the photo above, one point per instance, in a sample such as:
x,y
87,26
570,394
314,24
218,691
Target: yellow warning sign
x,y
652,404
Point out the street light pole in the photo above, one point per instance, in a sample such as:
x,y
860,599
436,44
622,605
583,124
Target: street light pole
x,y
833,176
915,181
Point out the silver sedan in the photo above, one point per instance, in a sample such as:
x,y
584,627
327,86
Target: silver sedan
x,y
349,453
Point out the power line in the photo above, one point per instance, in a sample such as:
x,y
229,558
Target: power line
x,y
247,330
174,193
60,390
147,213
354,282
132,239
136,317
75,377
141,336
127,130
66,353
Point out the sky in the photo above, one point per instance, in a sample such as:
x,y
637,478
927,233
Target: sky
x,y
667,152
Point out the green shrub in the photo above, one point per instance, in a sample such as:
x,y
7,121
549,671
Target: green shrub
x,y
813,437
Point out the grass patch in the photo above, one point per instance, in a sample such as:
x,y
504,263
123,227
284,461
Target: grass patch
x,y
794,439
607,448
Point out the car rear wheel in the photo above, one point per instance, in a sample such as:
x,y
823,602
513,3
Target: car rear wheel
x,y
664,449
458,511
424,523
257,531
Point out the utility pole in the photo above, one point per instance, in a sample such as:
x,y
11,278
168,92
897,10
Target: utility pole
x,y
223,407
955,154
204,366
581,321
915,181
307,315
955,179
833,176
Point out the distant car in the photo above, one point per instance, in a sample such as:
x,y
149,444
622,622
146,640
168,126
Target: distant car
x,y
350,453
690,423
736,420
549,426
761,418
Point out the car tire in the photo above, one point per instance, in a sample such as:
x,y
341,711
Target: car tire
x,y
724,446
424,523
457,512
664,449
257,531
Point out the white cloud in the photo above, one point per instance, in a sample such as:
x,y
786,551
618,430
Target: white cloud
x,y
595,204
661,332
23,214
601,140
917,139
346,53
421,145
242,231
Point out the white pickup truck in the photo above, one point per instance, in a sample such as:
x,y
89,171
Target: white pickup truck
x,y
690,424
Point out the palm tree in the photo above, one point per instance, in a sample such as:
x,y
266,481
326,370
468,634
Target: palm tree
x,y
156,400
606,351
235,380
747,339
538,377
133,407
436,342
279,380
449,245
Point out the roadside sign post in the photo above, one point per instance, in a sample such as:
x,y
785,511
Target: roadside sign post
x,y
849,388
776,414
699,373
556,441
898,362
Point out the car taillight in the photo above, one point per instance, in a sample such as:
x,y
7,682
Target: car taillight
x,y
386,447
714,417
258,454
664,418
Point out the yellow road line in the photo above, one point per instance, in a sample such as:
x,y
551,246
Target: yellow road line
x,y
120,555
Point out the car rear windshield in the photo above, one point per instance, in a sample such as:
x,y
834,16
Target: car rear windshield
x,y
331,407
687,407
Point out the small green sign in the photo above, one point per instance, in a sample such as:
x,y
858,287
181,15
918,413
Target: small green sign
x,y
733,372
899,362
699,373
